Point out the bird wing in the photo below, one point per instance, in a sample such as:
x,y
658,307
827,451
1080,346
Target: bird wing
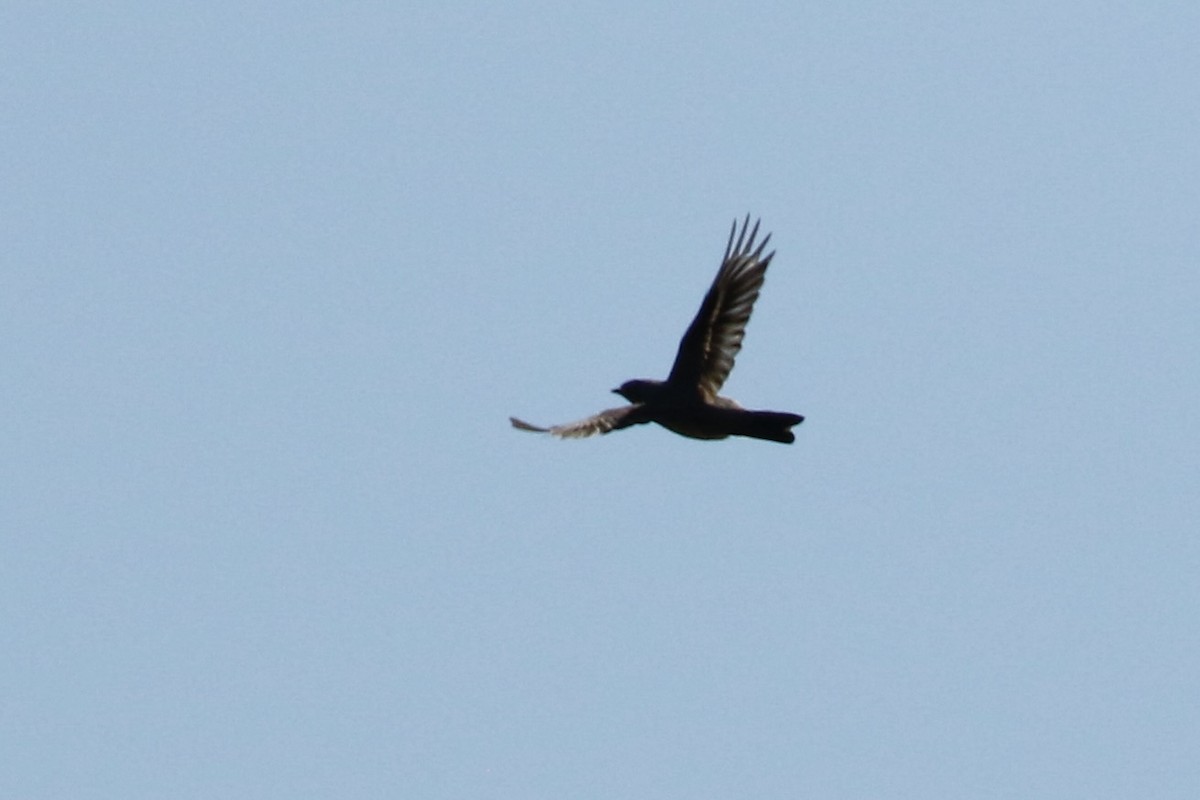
x,y
608,420
712,341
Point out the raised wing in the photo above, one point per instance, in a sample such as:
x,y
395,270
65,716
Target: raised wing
x,y
712,341
609,420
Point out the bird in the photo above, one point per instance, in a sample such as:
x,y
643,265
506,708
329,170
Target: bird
x,y
687,402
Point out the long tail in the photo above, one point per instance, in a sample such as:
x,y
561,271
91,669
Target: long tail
x,y
774,426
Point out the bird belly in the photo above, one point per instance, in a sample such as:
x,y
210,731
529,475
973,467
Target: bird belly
x,y
696,422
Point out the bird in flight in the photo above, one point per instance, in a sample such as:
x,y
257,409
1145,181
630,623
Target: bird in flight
x,y
687,401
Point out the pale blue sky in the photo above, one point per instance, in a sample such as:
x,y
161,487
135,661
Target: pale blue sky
x,y
275,276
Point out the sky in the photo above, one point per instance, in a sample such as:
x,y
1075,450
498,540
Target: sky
x,y
276,275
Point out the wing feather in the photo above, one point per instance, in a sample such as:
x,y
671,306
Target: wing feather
x,y
608,420
711,344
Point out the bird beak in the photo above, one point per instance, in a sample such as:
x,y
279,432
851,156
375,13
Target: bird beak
x,y
616,391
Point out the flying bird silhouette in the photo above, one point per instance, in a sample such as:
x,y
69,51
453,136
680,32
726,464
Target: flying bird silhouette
x,y
687,401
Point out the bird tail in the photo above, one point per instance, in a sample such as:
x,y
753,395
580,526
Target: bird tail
x,y
774,426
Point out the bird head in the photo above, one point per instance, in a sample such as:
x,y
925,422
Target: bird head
x,y
637,391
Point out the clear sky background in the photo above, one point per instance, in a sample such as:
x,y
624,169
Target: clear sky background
x,y
275,275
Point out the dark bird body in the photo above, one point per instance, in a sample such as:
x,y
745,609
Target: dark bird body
x,y
687,402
